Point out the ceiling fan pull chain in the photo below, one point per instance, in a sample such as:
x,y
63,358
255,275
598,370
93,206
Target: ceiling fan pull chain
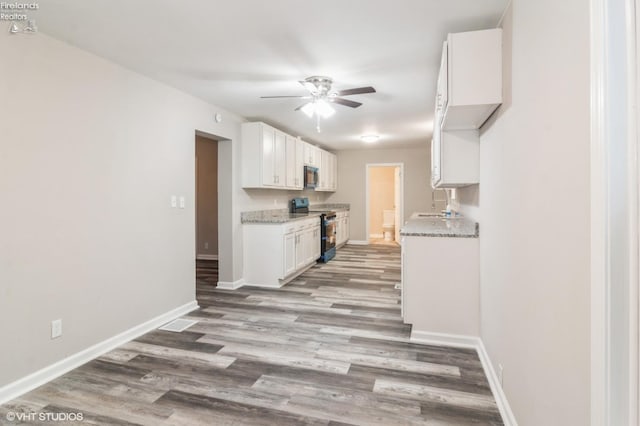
x,y
318,122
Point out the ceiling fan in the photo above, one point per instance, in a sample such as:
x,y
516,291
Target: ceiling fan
x,y
320,96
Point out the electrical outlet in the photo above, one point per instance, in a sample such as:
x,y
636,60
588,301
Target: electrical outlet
x,y
206,246
500,374
56,328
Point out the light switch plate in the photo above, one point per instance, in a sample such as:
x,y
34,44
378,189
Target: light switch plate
x,y
182,202
174,201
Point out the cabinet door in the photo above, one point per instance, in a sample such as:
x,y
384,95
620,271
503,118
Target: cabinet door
x,y
300,249
289,254
442,97
268,156
298,166
309,154
334,172
347,232
436,159
322,170
315,245
280,158
290,162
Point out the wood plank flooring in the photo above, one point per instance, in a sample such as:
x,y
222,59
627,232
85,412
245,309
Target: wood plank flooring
x,y
327,349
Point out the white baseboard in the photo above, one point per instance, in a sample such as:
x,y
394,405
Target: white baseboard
x,y
231,285
443,339
206,257
358,242
281,284
376,235
472,342
496,388
40,377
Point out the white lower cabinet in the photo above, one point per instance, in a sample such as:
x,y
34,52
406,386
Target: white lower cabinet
x,y
275,253
342,227
441,285
290,247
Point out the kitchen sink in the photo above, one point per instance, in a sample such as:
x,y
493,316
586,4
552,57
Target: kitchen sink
x,y
433,215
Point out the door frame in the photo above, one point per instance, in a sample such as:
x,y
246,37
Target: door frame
x,y
366,177
615,221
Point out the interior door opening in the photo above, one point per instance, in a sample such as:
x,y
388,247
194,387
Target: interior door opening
x,y
206,200
385,203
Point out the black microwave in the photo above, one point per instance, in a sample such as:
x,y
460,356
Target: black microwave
x,y
310,177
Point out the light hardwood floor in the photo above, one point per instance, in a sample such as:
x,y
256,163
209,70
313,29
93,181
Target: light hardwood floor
x,y
327,349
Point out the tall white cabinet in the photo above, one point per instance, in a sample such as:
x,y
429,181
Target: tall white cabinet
x,y
469,89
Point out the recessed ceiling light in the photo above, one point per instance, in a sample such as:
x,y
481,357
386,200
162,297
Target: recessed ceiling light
x,y
370,138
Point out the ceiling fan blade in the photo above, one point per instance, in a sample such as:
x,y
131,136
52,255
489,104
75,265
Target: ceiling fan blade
x,y
272,97
345,102
300,107
356,91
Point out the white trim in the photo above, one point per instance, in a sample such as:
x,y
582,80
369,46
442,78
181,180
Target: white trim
x,y
496,389
206,257
444,339
280,284
40,377
358,242
471,342
614,191
600,365
228,285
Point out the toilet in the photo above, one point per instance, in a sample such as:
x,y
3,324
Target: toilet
x,y
388,224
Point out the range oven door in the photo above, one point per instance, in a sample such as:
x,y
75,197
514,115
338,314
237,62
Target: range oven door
x,y
328,241
330,232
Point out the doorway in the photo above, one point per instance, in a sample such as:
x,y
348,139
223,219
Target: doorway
x,y
206,200
385,202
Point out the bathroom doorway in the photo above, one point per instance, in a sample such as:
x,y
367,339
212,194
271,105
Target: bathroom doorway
x,y
385,202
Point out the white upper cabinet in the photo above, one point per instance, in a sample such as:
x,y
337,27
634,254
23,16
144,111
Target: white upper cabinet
x,y
274,159
312,155
327,172
270,158
470,80
294,164
455,159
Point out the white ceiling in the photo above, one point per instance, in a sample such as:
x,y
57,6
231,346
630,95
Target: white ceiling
x,y
232,52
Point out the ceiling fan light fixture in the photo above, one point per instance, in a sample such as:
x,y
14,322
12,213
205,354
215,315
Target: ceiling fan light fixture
x,y
309,109
324,109
370,138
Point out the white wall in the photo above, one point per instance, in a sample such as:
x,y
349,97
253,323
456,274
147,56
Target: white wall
x,y
90,154
533,206
352,178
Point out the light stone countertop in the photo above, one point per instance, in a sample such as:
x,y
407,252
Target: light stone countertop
x,y
457,227
329,207
283,215
274,216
